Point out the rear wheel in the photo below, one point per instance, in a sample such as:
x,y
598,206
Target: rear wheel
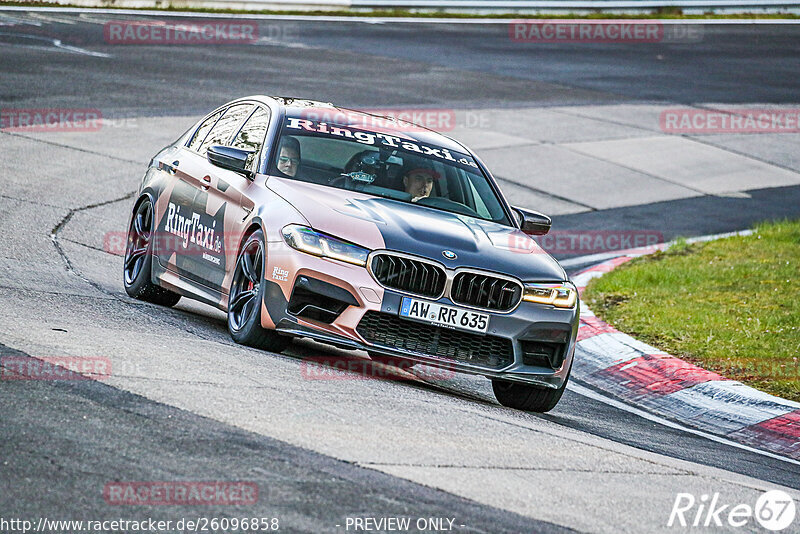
x,y
139,259
244,304
527,397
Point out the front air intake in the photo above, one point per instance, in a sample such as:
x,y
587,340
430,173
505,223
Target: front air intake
x,y
390,331
409,275
485,291
318,300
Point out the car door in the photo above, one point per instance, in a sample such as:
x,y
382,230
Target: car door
x,y
200,247
175,202
227,199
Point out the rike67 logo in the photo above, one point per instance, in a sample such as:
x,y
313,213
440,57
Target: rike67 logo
x,y
773,510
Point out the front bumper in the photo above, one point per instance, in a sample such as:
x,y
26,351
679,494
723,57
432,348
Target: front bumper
x,y
520,329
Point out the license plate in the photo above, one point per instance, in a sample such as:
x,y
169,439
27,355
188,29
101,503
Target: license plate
x,y
442,315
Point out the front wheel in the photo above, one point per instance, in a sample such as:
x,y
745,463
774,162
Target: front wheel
x,y
527,397
246,294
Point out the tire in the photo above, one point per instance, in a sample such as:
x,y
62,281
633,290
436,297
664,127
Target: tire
x,y
527,397
246,294
136,270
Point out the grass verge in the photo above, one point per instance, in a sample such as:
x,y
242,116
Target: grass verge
x,y
731,306
661,13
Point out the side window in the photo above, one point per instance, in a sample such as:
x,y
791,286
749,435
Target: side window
x,y
222,131
202,131
252,134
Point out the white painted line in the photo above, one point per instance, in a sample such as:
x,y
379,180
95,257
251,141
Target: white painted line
x,y
56,20
591,394
78,50
55,42
592,258
600,257
704,238
367,20
6,20
583,278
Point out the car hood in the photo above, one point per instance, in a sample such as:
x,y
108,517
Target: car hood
x,y
376,223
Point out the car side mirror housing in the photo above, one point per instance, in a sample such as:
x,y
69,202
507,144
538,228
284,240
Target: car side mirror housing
x,y
233,159
532,222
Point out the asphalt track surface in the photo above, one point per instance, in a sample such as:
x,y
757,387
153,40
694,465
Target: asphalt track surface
x,y
62,441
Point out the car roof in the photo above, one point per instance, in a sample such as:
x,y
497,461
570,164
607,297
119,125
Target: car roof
x,y
316,110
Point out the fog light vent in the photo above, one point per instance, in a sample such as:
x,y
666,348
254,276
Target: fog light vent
x,y
542,354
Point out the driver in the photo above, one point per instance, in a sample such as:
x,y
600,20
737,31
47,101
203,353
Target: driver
x,y
289,156
419,182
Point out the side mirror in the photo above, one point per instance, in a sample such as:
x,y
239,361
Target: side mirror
x,y
532,222
233,159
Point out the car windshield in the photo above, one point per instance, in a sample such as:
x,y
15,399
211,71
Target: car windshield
x,y
387,164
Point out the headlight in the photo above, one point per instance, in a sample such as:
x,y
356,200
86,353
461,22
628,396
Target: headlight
x,y
310,241
558,295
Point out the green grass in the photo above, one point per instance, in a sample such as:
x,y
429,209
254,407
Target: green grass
x,y
663,13
731,306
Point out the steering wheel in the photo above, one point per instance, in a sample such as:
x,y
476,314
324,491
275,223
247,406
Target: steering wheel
x,y
353,180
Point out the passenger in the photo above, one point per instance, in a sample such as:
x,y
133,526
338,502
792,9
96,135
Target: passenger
x,y
289,156
419,182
